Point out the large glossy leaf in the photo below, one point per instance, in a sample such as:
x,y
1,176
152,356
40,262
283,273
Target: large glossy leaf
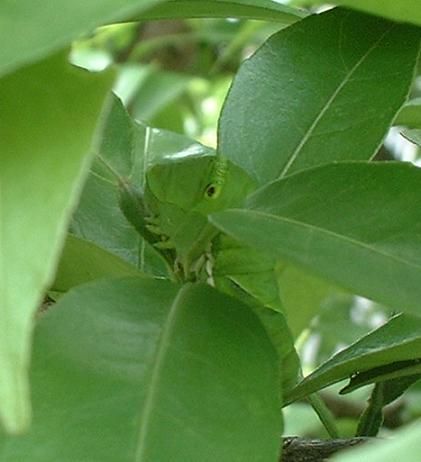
x,y
301,100
269,10
142,370
49,112
402,10
127,149
398,340
355,223
32,29
82,261
405,445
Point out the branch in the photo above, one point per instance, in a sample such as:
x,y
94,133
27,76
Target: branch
x,y
308,450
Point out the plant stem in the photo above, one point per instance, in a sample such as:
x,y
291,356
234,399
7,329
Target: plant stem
x,y
324,414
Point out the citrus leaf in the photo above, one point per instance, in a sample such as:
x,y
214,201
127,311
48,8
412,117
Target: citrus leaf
x,y
49,112
397,375
82,261
356,224
402,11
268,10
396,341
32,29
137,370
301,99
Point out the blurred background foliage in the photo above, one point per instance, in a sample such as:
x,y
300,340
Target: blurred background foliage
x,y
175,74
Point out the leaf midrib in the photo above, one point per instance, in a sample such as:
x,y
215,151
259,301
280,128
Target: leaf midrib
x,y
328,232
158,364
328,104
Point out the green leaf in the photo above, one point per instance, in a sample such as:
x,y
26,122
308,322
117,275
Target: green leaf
x,y
399,374
391,381
405,445
398,340
410,114
401,10
268,10
143,370
301,100
127,149
49,112
30,30
342,320
371,419
302,295
356,224
82,261
390,384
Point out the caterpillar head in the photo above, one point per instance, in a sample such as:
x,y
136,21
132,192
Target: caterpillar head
x,y
204,184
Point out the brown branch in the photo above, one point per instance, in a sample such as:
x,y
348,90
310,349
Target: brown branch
x,y
310,450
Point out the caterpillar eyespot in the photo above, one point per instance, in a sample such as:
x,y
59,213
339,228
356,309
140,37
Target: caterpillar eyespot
x,y
212,191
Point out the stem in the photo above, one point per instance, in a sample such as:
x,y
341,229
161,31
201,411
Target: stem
x,y
324,414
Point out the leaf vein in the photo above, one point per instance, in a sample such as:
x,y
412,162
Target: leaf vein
x,y
328,104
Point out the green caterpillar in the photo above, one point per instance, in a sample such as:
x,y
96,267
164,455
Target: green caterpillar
x,y
177,197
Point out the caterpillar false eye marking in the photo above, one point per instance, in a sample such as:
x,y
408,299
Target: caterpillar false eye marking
x,y
212,191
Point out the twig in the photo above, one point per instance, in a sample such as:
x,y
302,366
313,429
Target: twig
x,y
310,450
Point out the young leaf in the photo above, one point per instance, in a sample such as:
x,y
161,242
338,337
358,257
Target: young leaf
x,y
371,419
398,340
268,10
136,370
301,100
401,11
404,373
49,112
357,224
31,30
385,391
